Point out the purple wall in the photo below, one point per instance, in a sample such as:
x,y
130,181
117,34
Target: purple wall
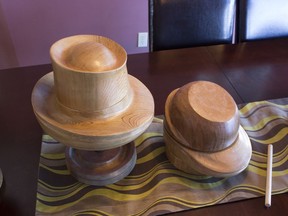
x,y
7,52
33,25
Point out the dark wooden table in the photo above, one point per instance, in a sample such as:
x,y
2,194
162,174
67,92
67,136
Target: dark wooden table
x,y
249,72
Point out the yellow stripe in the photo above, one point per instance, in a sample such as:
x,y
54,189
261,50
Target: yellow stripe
x,y
250,106
145,136
279,191
280,162
262,172
182,181
59,172
159,166
52,188
47,138
59,198
259,154
281,153
247,108
91,212
156,167
258,164
281,157
280,135
158,120
284,151
151,155
280,173
54,156
257,170
261,124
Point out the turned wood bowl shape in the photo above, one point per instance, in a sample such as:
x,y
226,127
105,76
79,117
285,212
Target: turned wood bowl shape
x,y
202,131
89,101
203,116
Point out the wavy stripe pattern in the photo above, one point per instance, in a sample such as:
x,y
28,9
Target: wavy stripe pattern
x,y
155,186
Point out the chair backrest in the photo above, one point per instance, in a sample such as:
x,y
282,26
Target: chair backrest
x,y
262,19
186,23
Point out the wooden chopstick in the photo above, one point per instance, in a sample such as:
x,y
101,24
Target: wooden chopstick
x,y
269,176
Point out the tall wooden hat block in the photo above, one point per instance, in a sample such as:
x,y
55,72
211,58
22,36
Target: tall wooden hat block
x,y
91,104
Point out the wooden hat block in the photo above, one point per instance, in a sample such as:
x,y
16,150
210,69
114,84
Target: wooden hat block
x,y
91,104
202,132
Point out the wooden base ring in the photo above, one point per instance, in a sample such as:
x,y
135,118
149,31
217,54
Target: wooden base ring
x,y
101,167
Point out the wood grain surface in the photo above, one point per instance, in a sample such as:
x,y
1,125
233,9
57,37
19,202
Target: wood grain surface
x,y
203,116
202,131
88,133
249,72
89,101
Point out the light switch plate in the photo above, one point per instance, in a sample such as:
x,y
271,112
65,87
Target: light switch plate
x,y
142,39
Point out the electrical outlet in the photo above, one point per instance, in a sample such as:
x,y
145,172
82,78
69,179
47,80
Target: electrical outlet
x,y
142,39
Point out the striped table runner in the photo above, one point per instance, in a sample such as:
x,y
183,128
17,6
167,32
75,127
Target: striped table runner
x,y
155,186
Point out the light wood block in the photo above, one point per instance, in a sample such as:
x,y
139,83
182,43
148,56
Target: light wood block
x,y
87,133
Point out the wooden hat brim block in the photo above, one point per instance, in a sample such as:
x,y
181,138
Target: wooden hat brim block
x,y
86,133
227,160
224,163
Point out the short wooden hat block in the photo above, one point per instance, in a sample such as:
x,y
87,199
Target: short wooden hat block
x,y
90,103
202,132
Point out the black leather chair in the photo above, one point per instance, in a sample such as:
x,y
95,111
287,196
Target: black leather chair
x,y
263,19
186,23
